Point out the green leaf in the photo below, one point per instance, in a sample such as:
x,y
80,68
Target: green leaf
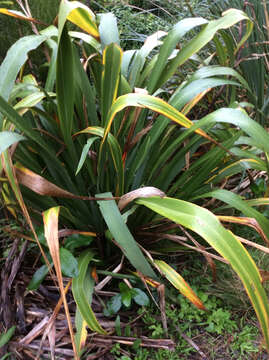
x,y
169,44
81,298
117,326
77,240
81,325
113,305
194,88
238,117
38,277
136,345
115,151
69,264
216,70
140,297
4,338
41,236
140,56
148,102
126,294
87,39
122,235
65,86
110,78
8,138
6,356
31,100
14,60
228,19
204,223
85,151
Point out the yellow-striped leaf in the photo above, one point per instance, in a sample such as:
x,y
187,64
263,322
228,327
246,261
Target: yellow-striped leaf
x,y
204,223
179,283
112,56
80,15
17,15
150,102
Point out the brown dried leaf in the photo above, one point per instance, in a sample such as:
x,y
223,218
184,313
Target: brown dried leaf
x,y
145,192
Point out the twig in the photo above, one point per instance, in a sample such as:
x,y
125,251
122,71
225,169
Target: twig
x,y
192,343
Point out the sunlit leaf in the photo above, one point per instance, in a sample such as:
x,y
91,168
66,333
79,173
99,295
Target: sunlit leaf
x,y
8,138
17,15
80,15
108,29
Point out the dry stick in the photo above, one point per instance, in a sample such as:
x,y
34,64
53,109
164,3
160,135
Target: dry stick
x,y
161,292
101,284
51,338
99,353
30,15
208,258
103,340
177,239
52,319
36,331
161,8
192,343
61,351
251,243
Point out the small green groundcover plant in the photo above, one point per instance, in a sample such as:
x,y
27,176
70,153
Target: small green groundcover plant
x,y
109,141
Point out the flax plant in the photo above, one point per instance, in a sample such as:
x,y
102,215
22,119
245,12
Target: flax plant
x,y
107,144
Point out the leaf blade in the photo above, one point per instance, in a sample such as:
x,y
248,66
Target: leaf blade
x,y
123,237
204,223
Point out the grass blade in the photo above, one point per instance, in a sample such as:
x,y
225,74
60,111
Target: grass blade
x,y
4,338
